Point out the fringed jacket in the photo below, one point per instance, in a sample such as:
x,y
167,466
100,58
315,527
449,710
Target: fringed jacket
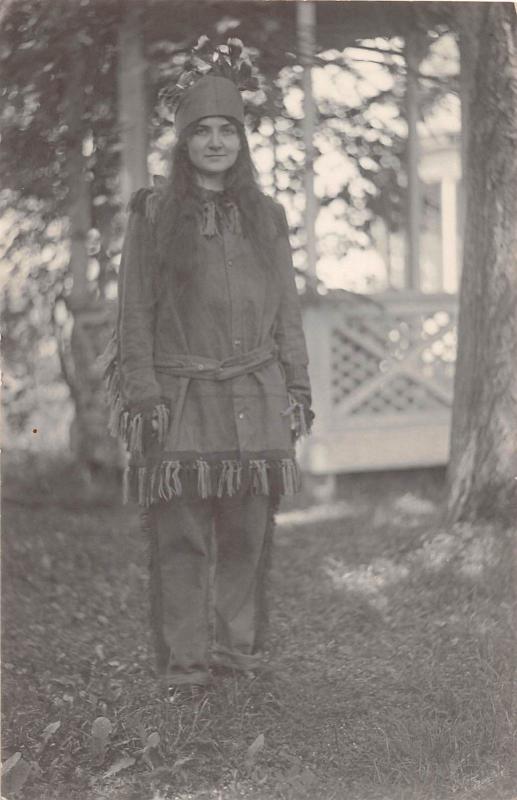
x,y
208,382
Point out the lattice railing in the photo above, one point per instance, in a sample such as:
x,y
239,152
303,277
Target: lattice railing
x,y
382,371
392,360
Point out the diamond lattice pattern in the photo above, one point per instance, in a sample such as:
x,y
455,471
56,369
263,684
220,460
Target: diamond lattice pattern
x,y
429,339
400,395
351,366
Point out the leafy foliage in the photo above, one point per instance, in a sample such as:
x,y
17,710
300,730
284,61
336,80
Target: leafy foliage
x,y
40,42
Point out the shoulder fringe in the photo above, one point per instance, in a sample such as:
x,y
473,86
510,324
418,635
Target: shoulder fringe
x,y
146,202
166,480
119,417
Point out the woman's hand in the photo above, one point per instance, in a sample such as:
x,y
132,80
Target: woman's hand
x,y
301,417
148,425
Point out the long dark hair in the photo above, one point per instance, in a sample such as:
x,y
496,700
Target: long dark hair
x,y
180,206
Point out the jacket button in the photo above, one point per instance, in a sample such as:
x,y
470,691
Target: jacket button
x,y
237,342
241,415
230,263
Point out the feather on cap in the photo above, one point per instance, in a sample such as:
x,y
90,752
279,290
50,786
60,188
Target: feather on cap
x,y
210,83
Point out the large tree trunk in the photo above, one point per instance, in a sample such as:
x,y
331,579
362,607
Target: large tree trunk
x,y
484,424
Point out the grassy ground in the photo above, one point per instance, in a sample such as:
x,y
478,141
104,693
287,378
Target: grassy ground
x,y
390,666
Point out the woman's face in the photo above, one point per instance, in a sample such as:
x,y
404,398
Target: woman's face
x,y
214,145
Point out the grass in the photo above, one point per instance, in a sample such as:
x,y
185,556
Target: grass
x,y
391,657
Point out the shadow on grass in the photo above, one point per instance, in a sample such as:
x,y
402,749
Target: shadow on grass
x,y
391,659
37,479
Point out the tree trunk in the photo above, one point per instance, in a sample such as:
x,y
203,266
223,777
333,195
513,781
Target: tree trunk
x,y
79,350
132,103
483,441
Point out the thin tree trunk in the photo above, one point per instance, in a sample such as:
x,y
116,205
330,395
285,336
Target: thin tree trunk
x,y
79,203
79,352
132,103
484,424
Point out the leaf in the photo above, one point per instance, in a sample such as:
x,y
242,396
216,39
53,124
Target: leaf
x,y
11,762
255,748
101,727
118,766
152,743
15,772
50,730
153,740
101,730
99,652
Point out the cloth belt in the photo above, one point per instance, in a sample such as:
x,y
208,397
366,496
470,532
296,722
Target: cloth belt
x,y
210,369
189,367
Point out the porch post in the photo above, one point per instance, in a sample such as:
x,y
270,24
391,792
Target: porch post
x,y
449,215
413,195
306,26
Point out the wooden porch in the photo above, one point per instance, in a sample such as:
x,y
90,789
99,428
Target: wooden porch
x,y
382,371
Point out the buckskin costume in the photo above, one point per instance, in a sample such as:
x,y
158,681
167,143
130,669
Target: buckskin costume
x,y
209,389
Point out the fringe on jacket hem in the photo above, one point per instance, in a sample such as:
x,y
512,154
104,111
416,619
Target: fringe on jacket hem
x,y
169,479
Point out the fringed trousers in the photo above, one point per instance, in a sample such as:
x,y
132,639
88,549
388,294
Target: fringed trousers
x,y
209,561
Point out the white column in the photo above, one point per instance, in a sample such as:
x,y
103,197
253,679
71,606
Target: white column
x,y
306,25
449,223
413,195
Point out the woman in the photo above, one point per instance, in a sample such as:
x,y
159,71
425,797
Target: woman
x,y
213,386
